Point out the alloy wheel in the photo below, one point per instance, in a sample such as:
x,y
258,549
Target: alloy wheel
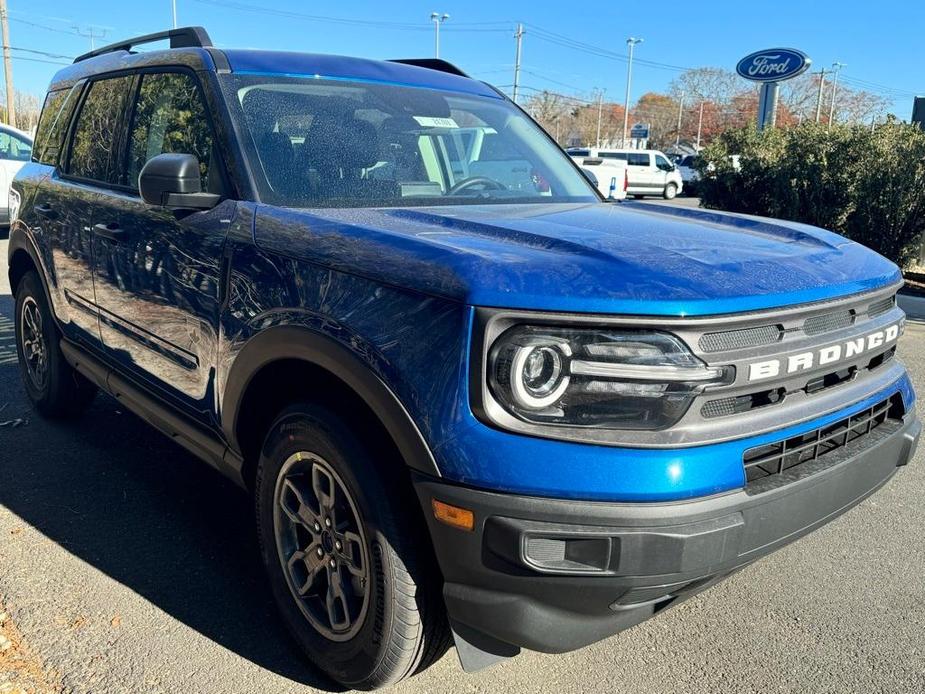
x,y
34,344
322,546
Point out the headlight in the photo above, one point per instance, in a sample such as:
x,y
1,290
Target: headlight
x,y
609,379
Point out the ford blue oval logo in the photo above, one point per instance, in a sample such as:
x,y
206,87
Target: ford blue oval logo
x,y
773,65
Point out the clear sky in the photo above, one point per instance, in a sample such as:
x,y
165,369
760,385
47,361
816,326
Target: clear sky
x,y
883,44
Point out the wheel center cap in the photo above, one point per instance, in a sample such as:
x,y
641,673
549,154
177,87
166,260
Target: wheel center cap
x,y
327,541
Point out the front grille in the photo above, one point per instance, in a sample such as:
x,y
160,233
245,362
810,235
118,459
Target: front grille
x,y
740,339
828,322
776,458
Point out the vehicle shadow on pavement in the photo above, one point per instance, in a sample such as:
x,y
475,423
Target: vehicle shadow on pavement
x,y
120,496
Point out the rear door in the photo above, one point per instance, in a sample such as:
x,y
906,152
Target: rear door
x,y
65,201
158,271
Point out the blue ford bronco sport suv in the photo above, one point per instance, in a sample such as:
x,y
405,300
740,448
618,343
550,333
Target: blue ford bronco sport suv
x,y
474,402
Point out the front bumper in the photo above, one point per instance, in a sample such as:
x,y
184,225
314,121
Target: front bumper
x,y
555,575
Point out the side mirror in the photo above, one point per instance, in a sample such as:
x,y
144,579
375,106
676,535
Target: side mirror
x,y
173,181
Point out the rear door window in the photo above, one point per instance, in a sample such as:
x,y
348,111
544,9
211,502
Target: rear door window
x,y
170,117
96,133
638,159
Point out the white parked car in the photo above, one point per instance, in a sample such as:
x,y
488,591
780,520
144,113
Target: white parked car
x,y
610,175
649,171
15,150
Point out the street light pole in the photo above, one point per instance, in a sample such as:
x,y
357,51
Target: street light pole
x,y
699,124
600,114
174,4
631,44
677,139
437,19
836,67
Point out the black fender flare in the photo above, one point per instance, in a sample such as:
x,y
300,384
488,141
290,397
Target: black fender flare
x,y
20,240
294,342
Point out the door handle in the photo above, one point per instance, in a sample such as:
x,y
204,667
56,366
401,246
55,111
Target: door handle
x,y
111,231
46,211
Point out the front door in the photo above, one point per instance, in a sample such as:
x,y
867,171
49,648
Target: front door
x,y
157,272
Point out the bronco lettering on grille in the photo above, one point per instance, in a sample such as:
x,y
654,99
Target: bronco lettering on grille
x,y
830,354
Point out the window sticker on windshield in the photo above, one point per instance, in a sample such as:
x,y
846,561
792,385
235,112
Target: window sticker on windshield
x,y
431,122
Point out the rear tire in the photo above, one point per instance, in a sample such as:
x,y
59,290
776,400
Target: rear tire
x,y
53,387
360,594
671,191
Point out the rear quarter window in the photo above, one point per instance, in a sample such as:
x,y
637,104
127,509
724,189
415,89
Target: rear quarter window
x,y
56,114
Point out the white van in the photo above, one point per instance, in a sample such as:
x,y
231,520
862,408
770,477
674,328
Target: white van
x,y
649,171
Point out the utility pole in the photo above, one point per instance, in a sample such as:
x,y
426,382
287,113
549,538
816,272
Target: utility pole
x,y
630,43
8,67
819,96
836,67
437,19
699,124
174,3
600,114
519,35
677,139
90,33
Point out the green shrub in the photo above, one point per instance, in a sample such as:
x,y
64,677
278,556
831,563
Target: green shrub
x,y
867,185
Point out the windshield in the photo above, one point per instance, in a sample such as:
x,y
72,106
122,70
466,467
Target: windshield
x,y
319,143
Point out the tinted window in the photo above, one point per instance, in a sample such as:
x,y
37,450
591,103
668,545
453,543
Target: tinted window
x,y
613,155
14,147
170,117
98,129
638,159
56,113
661,162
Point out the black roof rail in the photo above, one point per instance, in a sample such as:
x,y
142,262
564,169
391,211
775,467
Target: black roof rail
x,y
432,64
184,37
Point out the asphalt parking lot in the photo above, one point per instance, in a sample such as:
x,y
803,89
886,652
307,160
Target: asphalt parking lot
x,y
127,566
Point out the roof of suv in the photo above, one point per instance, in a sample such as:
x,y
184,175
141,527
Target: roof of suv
x,y
430,74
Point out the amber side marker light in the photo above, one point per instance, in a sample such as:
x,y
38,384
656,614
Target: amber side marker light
x,y
453,516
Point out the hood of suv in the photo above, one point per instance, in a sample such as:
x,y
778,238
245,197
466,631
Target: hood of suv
x,y
597,258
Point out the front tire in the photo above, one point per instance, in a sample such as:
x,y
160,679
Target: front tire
x,y
346,552
671,191
53,387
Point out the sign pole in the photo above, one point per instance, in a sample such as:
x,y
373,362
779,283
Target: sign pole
x,y
767,105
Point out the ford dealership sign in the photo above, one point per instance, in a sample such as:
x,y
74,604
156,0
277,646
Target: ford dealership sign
x,y
773,65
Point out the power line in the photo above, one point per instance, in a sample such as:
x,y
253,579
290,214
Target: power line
x,y
349,21
44,53
44,26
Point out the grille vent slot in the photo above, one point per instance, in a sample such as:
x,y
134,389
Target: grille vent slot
x,y
828,322
740,339
880,307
